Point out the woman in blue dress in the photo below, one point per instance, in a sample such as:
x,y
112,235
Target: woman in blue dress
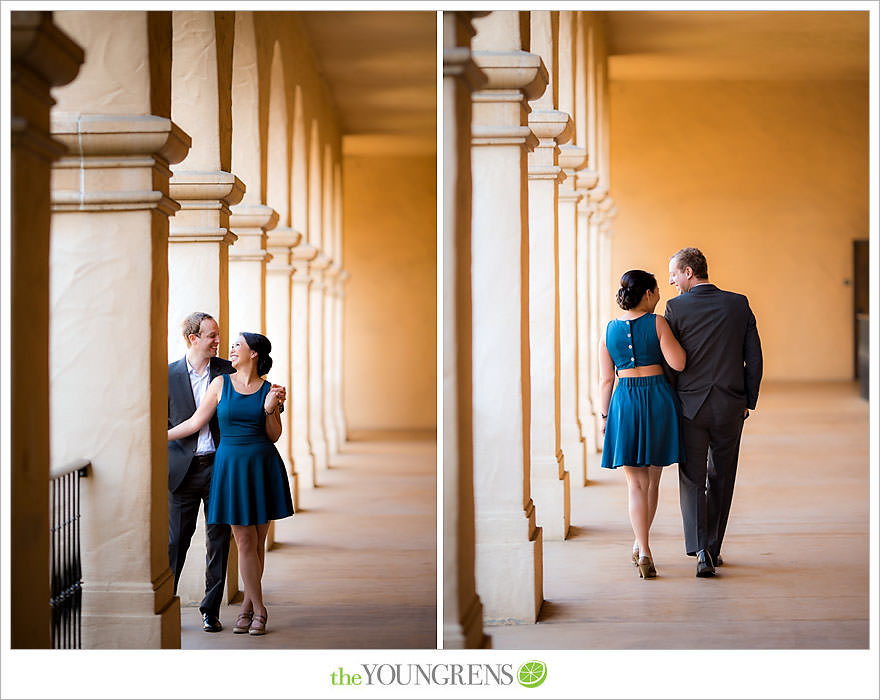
x,y
249,485
640,420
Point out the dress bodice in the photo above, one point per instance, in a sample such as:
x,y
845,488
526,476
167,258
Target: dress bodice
x,y
633,343
241,416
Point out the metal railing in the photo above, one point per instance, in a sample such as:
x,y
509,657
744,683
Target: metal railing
x,y
65,561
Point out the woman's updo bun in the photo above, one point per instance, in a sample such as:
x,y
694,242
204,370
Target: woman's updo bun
x,y
633,285
260,344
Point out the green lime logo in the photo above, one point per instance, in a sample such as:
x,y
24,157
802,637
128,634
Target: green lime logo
x,y
531,674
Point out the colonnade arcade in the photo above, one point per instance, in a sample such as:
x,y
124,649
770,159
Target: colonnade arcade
x,y
195,165
527,215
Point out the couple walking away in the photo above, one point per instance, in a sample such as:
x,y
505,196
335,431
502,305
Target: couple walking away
x,y
709,340
223,421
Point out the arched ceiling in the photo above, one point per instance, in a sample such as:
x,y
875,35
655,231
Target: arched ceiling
x,y
788,45
381,68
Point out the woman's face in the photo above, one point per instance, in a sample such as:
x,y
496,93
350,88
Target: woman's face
x,y
241,353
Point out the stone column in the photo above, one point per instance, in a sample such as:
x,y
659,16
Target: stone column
x,y
341,423
42,56
462,608
316,363
282,242
606,281
595,301
198,254
331,277
109,268
509,570
200,234
298,393
549,478
586,179
586,348
247,267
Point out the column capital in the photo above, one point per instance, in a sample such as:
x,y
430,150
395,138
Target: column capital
x,y
606,202
300,258
305,252
43,50
586,179
572,157
124,135
101,147
320,262
598,194
253,216
207,186
513,70
459,63
281,242
283,237
551,124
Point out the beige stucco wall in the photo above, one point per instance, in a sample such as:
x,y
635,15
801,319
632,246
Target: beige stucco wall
x,y
770,181
390,355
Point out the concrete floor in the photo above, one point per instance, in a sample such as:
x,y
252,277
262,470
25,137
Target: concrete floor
x,y
795,572
356,567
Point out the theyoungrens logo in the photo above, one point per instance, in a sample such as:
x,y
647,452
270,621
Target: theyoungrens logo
x,y
531,674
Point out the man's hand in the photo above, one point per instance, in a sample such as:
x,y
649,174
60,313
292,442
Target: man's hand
x,y
745,414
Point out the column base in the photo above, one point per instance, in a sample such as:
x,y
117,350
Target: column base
x,y
575,451
510,579
305,464
552,497
131,616
467,634
322,458
294,490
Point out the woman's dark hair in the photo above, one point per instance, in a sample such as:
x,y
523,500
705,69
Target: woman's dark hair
x,y
633,285
260,344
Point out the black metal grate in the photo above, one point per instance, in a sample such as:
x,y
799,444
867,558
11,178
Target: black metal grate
x,y
65,561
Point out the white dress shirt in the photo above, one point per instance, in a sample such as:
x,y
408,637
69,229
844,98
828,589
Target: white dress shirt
x,y
199,384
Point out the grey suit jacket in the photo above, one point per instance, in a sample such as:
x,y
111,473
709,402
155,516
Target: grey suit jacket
x,y
718,332
181,405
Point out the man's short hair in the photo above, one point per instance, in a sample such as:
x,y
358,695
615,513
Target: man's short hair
x,y
193,323
694,259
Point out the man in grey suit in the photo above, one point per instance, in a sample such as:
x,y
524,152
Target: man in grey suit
x,y
717,388
191,460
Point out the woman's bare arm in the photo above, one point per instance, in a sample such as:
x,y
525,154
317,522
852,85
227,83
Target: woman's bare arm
x,y
673,353
272,407
606,379
203,413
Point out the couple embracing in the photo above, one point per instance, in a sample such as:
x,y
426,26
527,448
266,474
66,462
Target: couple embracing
x,y
223,421
709,340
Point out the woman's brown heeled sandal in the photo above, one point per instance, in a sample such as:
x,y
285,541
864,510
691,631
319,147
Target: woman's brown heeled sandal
x,y
646,568
243,622
258,626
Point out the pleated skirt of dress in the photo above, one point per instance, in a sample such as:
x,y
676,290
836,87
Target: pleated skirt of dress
x,y
643,427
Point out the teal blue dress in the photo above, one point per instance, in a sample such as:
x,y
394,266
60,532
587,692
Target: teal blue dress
x,y
249,484
644,426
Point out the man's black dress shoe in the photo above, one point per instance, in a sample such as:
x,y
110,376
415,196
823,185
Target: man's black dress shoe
x,y
210,623
718,560
705,567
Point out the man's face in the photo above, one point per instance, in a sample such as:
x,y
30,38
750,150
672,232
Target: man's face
x,y
207,341
682,279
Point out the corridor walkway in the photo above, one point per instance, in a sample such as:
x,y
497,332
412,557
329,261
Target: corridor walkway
x,y
795,572
356,568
